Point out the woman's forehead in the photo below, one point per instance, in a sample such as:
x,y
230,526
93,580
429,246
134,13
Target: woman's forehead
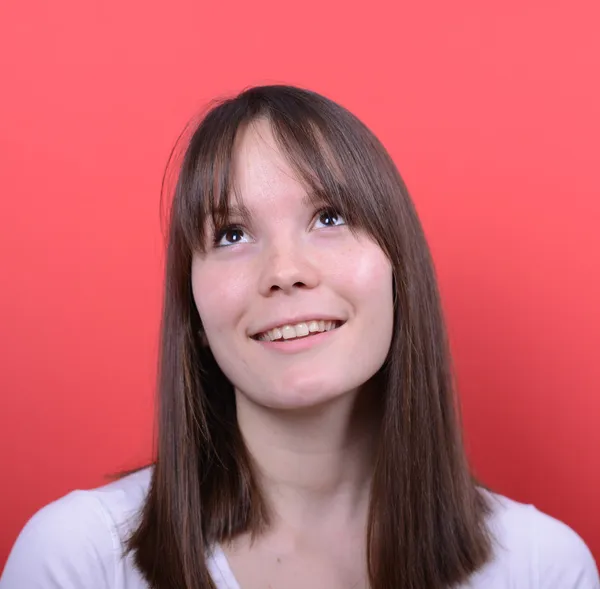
x,y
261,173
256,153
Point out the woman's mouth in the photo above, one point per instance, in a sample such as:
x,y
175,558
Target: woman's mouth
x,y
298,330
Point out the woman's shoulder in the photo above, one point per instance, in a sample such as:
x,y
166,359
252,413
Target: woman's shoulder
x,y
534,549
78,540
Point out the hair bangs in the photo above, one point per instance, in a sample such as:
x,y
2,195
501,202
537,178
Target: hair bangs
x,y
325,160
315,155
204,188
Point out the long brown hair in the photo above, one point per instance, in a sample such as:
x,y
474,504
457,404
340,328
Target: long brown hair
x,y
427,527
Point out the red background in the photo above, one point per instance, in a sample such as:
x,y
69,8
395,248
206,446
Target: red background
x,y
492,113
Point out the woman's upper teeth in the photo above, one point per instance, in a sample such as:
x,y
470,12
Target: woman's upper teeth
x,y
297,330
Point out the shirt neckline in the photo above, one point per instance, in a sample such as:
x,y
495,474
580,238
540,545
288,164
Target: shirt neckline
x,y
221,570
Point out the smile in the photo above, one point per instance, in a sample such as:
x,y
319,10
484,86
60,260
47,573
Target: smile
x,y
298,330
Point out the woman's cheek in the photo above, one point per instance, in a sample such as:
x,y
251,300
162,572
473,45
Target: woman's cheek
x,y
362,267
221,293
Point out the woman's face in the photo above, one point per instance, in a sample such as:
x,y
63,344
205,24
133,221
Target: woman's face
x,y
284,270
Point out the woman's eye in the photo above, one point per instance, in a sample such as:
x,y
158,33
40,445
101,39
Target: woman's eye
x,y
329,218
230,236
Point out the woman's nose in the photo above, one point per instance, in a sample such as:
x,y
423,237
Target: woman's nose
x,y
286,267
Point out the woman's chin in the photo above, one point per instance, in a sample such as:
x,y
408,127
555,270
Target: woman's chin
x,y
299,399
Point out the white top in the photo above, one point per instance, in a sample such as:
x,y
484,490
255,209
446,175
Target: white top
x,y
75,543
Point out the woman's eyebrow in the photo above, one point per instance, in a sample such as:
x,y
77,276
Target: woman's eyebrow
x,y
233,211
239,212
312,198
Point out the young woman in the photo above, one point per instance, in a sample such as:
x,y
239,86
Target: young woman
x,y
308,431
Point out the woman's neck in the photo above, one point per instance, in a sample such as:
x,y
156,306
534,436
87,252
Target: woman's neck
x,y
314,464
